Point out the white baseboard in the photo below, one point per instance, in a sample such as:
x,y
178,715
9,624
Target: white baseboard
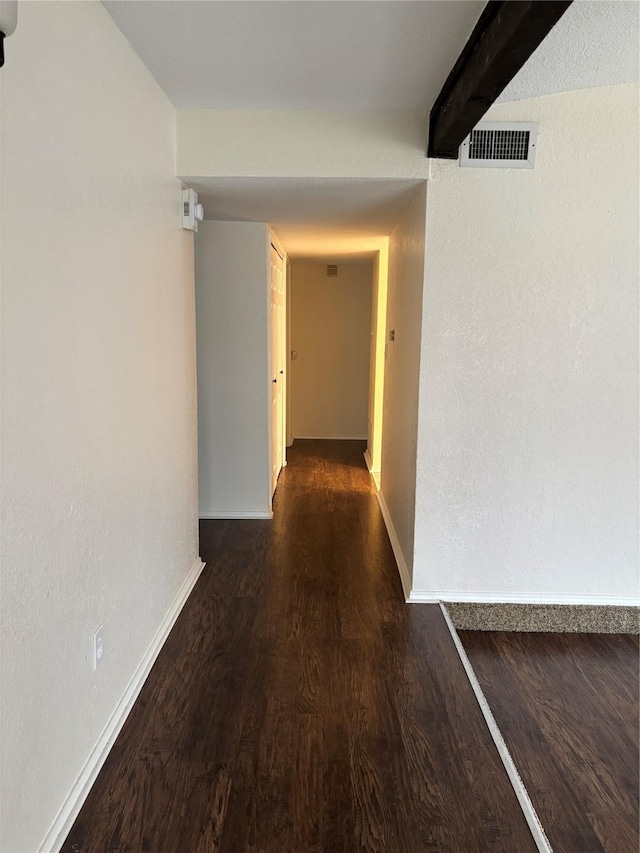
x,y
375,474
419,596
395,544
70,809
234,514
330,437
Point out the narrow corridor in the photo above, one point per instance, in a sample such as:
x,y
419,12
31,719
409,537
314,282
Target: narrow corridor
x,y
299,704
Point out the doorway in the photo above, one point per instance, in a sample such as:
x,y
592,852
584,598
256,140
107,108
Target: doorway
x,y
336,349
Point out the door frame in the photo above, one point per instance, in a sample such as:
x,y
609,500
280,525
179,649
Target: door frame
x,y
272,240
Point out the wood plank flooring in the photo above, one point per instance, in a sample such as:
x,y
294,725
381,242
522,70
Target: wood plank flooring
x,y
299,705
567,707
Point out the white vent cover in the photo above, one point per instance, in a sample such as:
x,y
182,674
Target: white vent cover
x,y
332,271
500,145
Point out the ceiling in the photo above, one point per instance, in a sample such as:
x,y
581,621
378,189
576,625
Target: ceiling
x,y
355,54
313,217
298,54
345,55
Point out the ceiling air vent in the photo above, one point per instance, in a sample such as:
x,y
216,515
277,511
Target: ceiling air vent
x,y
332,271
500,145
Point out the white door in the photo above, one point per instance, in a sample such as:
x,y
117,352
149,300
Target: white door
x,y
277,367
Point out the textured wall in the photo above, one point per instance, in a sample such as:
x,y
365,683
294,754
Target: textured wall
x,y
232,281
331,332
98,393
528,447
401,375
593,44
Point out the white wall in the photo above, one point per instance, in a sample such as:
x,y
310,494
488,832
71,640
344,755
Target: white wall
x,y
99,514
233,383
528,447
331,332
300,143
401,381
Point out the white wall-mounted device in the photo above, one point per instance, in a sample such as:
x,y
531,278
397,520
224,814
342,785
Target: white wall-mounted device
x,y
8,22
192,212
500,145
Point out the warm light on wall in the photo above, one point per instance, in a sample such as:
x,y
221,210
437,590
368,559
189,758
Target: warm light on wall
x,y
382,268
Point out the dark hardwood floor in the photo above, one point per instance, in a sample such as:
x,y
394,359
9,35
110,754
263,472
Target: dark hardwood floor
x,y
567,707
299,705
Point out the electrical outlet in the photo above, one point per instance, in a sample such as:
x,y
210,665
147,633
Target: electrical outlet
x,y
98,647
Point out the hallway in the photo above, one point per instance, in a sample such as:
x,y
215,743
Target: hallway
x,y
299,704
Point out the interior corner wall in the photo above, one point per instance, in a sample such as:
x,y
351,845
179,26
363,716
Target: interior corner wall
x,y
98,490
527,484
232,292
401,381
331,334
